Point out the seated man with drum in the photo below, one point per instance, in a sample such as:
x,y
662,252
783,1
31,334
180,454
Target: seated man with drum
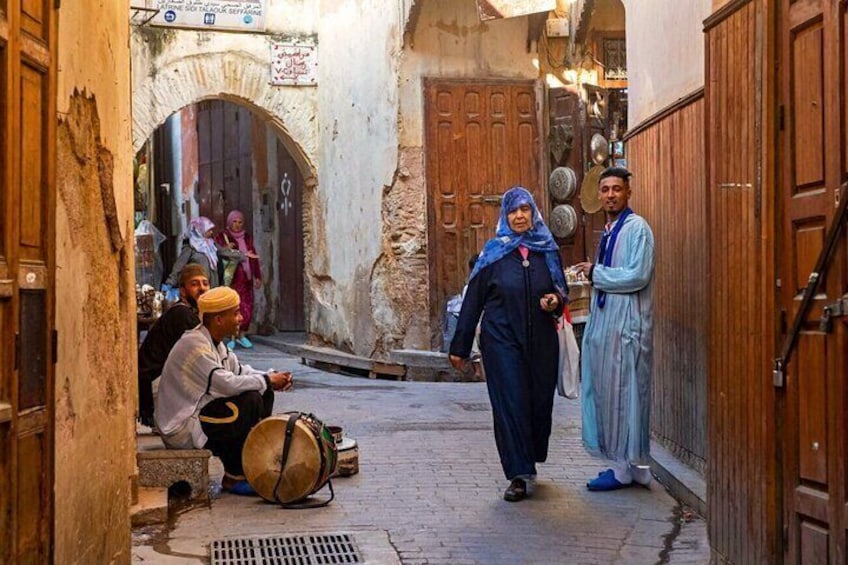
x,y
207,399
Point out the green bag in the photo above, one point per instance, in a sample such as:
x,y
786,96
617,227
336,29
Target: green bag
x,y
228,267
229,271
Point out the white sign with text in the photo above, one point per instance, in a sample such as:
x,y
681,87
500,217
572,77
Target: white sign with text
x,y
241,15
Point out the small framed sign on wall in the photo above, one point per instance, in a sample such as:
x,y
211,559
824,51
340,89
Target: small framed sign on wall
x,y
294,62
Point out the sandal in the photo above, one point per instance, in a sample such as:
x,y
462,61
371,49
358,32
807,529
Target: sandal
x,y
516,491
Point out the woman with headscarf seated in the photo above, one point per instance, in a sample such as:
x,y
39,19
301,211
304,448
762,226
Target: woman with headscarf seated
x,y
518,281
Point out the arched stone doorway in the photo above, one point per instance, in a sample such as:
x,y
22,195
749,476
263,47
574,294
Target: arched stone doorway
x,y
209,159
240,80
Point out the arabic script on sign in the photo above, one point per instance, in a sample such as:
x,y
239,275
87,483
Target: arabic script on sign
x,y
294,63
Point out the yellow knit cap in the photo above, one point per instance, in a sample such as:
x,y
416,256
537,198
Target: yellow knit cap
x,y
219,299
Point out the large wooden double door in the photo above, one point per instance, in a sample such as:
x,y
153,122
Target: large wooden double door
x,y
482,138
224,162
27,156
813,88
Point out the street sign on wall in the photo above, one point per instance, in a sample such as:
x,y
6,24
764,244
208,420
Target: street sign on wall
x,y
241,15
498,9
294,62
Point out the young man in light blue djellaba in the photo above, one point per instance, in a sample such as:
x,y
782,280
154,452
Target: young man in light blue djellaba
x,y
617,343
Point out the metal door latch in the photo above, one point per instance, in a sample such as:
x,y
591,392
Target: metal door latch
x,y
777,375
836,310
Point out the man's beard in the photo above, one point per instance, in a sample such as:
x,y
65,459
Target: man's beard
x,y
190,300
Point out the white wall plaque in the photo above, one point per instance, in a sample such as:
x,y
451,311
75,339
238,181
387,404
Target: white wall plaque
x,y
294,63
242,15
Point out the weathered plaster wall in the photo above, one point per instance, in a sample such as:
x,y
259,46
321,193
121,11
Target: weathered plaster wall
x,y
450,42
95,373
608,16
663,67
358,108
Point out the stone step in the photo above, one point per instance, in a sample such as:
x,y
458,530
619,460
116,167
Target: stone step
x,y
184,471
432,366
333,360
151,508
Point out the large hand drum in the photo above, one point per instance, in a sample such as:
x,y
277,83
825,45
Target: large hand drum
x,y
311,458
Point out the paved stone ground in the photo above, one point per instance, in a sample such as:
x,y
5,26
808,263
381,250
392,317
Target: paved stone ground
x,y
430,484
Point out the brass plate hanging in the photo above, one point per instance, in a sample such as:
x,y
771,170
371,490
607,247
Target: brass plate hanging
x,y
599,149
562,184
589,198
563,222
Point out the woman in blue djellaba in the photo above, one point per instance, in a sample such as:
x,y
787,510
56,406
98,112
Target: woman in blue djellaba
x,y
518,286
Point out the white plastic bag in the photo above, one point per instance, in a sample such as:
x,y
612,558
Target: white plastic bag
x,y
148,261
568,377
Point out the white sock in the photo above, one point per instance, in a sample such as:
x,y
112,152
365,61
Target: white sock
x,y
640,473
621,470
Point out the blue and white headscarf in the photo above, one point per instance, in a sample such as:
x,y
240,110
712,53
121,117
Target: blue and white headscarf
x,y
537,238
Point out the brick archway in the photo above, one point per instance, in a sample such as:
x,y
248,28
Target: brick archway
x,y
233,76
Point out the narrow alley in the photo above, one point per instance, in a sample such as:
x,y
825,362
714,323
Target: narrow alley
x,y
429,488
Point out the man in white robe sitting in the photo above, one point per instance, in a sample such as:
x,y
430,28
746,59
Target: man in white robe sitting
x,y
617,343
207,399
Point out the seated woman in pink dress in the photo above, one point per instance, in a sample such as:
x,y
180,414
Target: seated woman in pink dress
x,y
246,275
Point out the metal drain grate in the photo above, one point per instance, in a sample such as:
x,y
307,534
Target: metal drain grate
x,y
286,550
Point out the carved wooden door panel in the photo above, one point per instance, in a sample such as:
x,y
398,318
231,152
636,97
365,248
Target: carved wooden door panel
x,y
815,164
482,138
27,157
289,199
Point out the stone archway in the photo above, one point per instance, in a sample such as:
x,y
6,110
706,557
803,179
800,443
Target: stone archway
x,y
165,85
231,75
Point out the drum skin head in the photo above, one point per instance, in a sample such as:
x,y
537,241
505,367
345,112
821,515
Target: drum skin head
x,y
263,451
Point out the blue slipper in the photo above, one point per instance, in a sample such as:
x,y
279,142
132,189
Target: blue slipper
x,y
231,345
242,488
244,342
606,481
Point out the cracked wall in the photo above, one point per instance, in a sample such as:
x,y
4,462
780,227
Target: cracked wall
x,y
95,376
95,386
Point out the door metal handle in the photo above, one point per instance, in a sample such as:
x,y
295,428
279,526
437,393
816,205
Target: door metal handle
x,y
492,199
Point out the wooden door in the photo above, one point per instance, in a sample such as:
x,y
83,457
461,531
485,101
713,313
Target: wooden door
x,y
27,156
482,138
740,293
225,162
814,53
166,191
290,305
